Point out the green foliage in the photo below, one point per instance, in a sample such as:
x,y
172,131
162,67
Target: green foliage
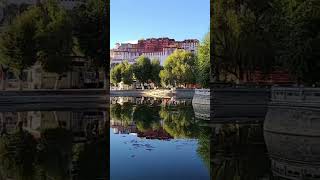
x,y
88,28
179,122
156,68
91,158
127,73
142,69
22,157
55,38
12,10
115,74
179,68
122,72
298,34
122,113
54,154
241,38
18,45
237,154
145,117
263,35
204,142
18,155
203,62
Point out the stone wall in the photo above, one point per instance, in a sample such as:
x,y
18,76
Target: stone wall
x,y
10,98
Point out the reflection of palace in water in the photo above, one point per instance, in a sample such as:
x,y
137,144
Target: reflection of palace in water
x,y
53,144
80,123
151,118
119,127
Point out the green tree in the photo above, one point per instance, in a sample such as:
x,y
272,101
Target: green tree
x,y
122,113
89,18
122,72
146,117
155,73
18,155
143,70
298,38
18,45
11,10
91,157
115,74
179,68
237,153
127,73
203,62
55,39
55,152
242,38
179,122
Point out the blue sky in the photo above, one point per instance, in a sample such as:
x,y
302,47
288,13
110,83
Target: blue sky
x,y
132,20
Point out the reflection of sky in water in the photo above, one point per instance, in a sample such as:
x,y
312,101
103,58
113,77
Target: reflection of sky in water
x,y
135,158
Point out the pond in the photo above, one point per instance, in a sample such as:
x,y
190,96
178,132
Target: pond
x,y
161,139
164,139
155,139
53,145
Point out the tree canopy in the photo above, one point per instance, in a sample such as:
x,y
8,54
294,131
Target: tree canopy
x,y
142,69
179,68
155,71
203,62
122,72
91,34
18,44
55,38
265,35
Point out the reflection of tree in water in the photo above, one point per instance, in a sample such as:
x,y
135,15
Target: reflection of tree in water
x,y
90,159
238,152
122,113
179,121
48,153
54,153
146,117
17,154
203,149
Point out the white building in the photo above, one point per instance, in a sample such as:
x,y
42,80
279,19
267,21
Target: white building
x,y
161,56
151,48
117,56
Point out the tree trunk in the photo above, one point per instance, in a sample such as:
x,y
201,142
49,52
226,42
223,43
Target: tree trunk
x,y
3,79
216,73
105,80
20,81
97,77
57,82
142,86
56,118
19,123
20,85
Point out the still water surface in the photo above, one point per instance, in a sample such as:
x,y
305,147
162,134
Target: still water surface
x,y
59,145
158,139
152,140
163,139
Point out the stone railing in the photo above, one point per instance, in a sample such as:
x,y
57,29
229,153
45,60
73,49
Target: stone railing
x,y
201,96
202,92
298,95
